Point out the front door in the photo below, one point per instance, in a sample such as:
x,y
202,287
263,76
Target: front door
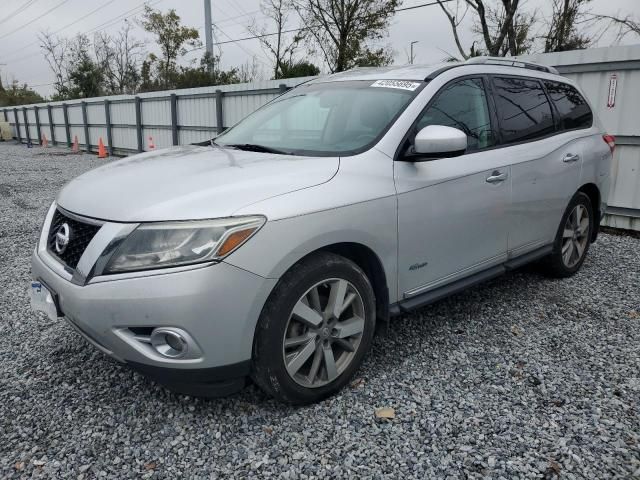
x,y
452,212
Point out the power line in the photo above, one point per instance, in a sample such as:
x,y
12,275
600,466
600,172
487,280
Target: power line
x,y
100,27
114,20
37,18
227,19
291,30
251,53
248,51
68,25
18,10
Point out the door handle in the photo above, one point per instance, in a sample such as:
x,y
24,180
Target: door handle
x,y
571,157
496,177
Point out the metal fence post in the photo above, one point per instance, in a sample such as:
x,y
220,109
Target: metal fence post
x,y
6,117
87,142
107,116
283,88
15,115
174,119
36,112
138,108
219,116
67,127
26,124
52,126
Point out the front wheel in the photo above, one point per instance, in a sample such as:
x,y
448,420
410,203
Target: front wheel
x,y
314,330
573,238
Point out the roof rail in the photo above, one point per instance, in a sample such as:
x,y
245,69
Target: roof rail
x,y
512,62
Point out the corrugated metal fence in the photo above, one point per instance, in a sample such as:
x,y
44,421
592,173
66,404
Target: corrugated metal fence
x,y
126,123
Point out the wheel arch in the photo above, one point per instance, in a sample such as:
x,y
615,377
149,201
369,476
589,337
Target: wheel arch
x,y
367,260
372,266
593,192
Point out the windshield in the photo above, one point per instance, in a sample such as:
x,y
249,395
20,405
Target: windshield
x,y
332,118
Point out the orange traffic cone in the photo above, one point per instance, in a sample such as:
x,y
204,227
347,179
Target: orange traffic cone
x,y
44,142
75,148
102,152
151,144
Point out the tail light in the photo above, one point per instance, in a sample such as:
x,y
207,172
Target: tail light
x,y
611,141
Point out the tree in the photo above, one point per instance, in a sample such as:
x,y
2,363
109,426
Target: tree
x,y
298,69
171,37
249,71
501,30
344,30
120,58
626,25
55,52
562,26
282,45
16,94
86,79
201,76
85,75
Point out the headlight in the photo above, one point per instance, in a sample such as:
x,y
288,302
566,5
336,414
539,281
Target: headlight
x,y
171,244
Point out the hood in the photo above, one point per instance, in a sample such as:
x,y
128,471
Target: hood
x,y
189,183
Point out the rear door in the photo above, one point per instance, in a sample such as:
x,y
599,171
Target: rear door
x,y
545,163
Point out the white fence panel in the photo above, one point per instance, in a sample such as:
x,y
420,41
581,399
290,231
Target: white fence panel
x,y
200,111
124,137
156,111
95,114
95,133
61,134
161,137
77,131
57,115
75,114
194,136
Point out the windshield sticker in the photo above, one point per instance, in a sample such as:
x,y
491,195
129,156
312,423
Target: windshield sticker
x,y
403,85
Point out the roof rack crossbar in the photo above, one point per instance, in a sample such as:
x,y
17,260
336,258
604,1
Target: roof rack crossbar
x,y
512,62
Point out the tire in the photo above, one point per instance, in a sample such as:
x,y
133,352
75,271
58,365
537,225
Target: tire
x,y
569,252
291,359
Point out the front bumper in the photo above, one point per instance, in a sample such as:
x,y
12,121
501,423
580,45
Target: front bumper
x,y
216,305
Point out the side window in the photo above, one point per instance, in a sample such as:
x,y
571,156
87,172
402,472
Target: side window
x,y
462,105
573,109
524,111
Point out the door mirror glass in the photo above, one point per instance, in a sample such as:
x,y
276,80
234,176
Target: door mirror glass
x,y
438,141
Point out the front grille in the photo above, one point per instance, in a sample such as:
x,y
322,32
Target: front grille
x,y
80,234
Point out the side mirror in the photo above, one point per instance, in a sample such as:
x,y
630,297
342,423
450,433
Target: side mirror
x,y
438,141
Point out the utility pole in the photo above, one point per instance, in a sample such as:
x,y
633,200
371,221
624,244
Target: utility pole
x,y
208,34
411,55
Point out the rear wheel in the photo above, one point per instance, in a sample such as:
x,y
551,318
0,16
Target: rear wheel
x,y
573,238
314,330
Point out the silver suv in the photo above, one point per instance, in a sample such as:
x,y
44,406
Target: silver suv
x,y
272,252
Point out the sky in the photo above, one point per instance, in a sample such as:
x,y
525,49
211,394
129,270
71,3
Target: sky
x,y
21,58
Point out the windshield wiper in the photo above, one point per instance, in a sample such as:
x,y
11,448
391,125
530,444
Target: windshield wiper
x,y
254,147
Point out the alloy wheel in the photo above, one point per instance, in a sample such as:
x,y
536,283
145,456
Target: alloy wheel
x,y
323,332
575,236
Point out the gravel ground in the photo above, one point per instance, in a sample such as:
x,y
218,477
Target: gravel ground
x,y
521,377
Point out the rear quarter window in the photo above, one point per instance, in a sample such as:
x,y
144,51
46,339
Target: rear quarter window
x,y
573,110
524,112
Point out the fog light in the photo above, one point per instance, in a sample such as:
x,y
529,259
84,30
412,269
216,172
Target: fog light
x,y
169,343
